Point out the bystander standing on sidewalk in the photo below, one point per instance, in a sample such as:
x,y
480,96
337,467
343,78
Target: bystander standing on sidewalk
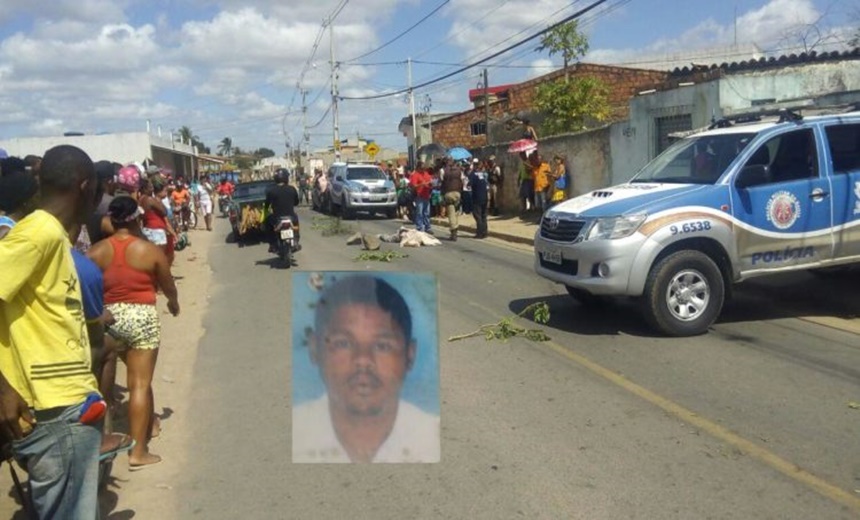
x,y
452,185
540,174
478,179
467,188
421,184
560,180
526,185
55,421
133,271
496,182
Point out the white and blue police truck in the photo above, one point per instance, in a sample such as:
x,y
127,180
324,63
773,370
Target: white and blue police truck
x,y
739,200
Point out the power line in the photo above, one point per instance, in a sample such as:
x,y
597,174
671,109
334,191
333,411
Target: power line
x,y
520,43
404,33
464,29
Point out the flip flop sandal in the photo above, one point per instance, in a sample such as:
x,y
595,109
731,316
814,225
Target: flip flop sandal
x,y
138,467
125,444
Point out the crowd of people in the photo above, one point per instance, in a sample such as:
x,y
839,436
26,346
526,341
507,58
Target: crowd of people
x,y
449,188
85,248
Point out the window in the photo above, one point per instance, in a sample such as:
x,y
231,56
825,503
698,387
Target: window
x,y
789,157
668,125
695,160
365,174
479,128
844,141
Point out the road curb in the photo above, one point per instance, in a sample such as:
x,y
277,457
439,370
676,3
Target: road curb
x,y
490,232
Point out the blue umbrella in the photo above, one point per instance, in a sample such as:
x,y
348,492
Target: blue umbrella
x,y
459,153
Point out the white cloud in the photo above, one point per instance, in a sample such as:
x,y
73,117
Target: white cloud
x,y
48,126
778,26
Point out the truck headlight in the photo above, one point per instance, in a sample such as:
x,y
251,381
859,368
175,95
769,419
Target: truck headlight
x,y
610,228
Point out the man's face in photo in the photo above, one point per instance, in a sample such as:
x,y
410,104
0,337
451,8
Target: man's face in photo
x,y
363,356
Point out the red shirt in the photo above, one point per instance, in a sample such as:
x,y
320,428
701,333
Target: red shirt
x,y
421,181
225,189
123,283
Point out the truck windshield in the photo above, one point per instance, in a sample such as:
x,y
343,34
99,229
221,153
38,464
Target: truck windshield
x,y
695,160
365,174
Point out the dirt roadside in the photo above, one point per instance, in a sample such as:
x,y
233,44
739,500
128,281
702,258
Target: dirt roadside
x,y
149,493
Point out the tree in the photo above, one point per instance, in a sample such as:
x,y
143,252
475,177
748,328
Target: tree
x,y
567,40
568,106
262,153
186,135
225,147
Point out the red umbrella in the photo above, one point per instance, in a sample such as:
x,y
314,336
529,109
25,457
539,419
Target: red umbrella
x,y
523,145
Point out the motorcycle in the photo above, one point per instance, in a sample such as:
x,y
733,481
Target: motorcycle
x,y
223,204
286,240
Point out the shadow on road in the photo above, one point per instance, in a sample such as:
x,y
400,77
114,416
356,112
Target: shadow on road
x,y
792,295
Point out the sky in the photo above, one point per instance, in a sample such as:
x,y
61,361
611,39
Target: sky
x,y
232,68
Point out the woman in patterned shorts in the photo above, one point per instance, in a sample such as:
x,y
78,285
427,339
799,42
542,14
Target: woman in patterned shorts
x,y
134,269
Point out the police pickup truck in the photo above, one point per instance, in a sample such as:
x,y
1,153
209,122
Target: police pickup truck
x,y
733,202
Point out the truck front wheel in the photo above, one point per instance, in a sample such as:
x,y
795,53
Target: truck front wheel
x,y
684,294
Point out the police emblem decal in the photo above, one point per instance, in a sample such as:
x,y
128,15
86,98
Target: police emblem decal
x,y
783,209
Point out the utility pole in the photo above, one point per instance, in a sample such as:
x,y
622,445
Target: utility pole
x,y
413,157
428,104
304,125
486,107
334,119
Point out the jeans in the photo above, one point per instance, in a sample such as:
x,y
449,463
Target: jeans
x,y
61,457
422,214
479,211
541,200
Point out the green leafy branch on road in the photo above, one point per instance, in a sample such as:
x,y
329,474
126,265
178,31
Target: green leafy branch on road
x,y
379,256
331,226
505,328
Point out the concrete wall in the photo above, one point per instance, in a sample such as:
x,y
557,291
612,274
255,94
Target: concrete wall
x,y
586,153
701,101
737,91
121,148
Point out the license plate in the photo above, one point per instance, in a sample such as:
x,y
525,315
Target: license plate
x,y
553,257
286,234
377,197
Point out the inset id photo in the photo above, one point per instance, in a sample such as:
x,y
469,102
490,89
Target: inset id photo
x,y
365,367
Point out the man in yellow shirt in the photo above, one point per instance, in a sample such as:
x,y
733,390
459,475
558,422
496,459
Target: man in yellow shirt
x,y
49,400
540,173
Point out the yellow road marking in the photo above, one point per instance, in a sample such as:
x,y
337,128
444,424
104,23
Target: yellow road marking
x,y
752,449
755,451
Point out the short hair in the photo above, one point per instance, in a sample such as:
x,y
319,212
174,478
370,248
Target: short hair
x,y
16,188
11,165
363,290
122,210
63,167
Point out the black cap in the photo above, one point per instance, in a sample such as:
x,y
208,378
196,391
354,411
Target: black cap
x,y
105,171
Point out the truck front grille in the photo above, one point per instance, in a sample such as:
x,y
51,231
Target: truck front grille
x,y
561,230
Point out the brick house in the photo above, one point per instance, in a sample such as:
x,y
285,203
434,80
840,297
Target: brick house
x,y
508,102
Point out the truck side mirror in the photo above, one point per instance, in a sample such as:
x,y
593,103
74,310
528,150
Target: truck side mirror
x,y
338,178
752,175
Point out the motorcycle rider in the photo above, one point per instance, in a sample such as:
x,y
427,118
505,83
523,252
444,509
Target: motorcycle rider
x,y
281,201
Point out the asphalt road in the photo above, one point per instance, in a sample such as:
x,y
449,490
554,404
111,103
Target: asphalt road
x,y
751,420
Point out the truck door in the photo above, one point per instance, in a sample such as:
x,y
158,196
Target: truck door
x,y
782,198
843,142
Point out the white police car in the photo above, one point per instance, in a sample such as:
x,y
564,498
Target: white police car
x,y
717,207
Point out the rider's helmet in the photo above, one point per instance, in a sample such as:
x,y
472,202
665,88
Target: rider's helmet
x,y
282,175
